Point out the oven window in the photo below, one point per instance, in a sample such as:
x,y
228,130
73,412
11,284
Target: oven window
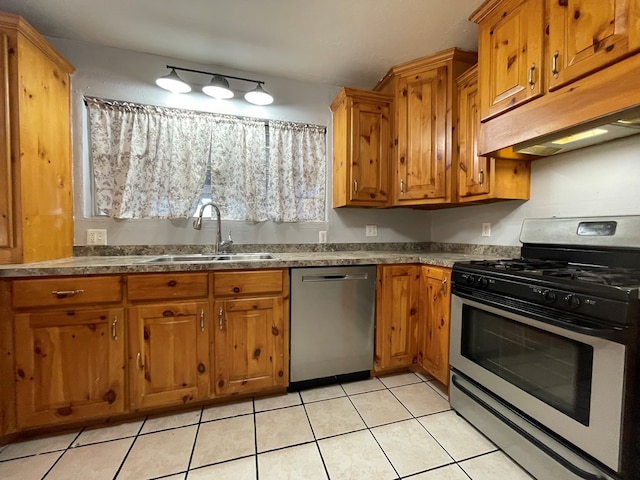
x,y
554,369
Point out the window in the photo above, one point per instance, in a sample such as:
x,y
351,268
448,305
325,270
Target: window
x,y
156,162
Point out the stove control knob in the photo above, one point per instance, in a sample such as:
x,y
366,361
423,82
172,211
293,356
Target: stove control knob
x,y
548,296
482,282
470,279
572,300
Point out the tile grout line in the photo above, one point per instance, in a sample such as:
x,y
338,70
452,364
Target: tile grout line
x,y
255,435
315,438
62,454
195,441
126,455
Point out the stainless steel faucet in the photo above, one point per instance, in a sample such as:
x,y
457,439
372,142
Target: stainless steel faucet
x,y
197,224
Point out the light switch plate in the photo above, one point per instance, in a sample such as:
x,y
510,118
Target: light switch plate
x,y
371,230
322,236
486,229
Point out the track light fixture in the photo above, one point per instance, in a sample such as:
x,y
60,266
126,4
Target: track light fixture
x,y
218,87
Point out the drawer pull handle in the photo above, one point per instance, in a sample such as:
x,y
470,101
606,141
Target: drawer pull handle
x,y
202,319
221,319
138,358
114,328
401,186
66,293
355,188
530,79
481,177
554,64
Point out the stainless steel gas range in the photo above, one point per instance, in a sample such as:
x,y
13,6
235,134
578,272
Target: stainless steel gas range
x,y
544,349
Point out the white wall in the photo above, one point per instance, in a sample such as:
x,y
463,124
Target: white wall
x,y
600,180
125,75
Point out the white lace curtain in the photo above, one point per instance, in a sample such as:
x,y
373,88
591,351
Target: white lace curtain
x,y
152,162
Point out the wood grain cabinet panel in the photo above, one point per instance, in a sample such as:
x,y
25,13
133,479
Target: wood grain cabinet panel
x,y
69,365
168,354
510,42
484,178
250,331
396,315
588,35
249,345
167,286
361,148
435,313
66,291
36,198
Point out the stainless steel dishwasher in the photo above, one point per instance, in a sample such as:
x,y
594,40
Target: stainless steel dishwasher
x,y
332,324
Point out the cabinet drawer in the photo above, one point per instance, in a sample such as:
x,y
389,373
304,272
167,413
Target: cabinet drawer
x,y
51,292
167,285
250,282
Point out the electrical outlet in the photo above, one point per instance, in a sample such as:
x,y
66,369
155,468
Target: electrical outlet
x,y
486,229
371,230
96,236
322,236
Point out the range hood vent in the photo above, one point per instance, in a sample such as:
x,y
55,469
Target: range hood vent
x,y
618,125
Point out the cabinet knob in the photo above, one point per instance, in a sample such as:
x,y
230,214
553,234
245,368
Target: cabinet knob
x,y
444,286
481,177
554,64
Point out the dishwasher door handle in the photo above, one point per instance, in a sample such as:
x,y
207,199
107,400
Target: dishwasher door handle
x,y
334,277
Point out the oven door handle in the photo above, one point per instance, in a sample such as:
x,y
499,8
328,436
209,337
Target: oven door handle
x,y
614,334
550,452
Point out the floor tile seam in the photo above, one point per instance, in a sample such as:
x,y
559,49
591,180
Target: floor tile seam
x,y
385,454
207,465
65,451
403,405
435,389
473,457
343,433
255,437
324,464
453,462
434,437
60,454
224,418
195,439
278,408
168,475
285,447
323,399
126,455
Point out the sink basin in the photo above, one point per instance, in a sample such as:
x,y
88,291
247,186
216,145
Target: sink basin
x,y
210,258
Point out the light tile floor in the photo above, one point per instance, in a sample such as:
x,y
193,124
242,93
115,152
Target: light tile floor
x,y
399,426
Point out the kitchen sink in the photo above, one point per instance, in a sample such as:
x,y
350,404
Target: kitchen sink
x,y
210,258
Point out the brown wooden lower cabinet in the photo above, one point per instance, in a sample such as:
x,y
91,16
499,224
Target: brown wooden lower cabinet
x,y
249,346
168,354
412,318
396,315
69,365
433,329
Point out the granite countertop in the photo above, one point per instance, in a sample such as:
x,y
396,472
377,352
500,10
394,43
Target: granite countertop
x,y
112,264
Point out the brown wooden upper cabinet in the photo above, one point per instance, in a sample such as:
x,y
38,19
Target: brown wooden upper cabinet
x,y
510,41
585,36
361,148
548,65
422,128
36,209
483,178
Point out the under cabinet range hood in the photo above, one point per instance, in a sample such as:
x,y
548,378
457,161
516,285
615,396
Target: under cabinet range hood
x,y
618,125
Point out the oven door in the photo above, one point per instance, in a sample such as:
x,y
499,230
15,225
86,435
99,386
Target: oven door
x,y
569,382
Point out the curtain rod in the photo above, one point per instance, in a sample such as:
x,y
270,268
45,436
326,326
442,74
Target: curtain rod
x,y
105,101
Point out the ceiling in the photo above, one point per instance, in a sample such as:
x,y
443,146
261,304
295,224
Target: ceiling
x,y
339,42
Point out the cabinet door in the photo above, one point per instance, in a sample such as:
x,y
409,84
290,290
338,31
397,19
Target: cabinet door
x,y
69,365
370,152
249,345
587,35
510,44
168,354
473,173
396,315
435,308
420,172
